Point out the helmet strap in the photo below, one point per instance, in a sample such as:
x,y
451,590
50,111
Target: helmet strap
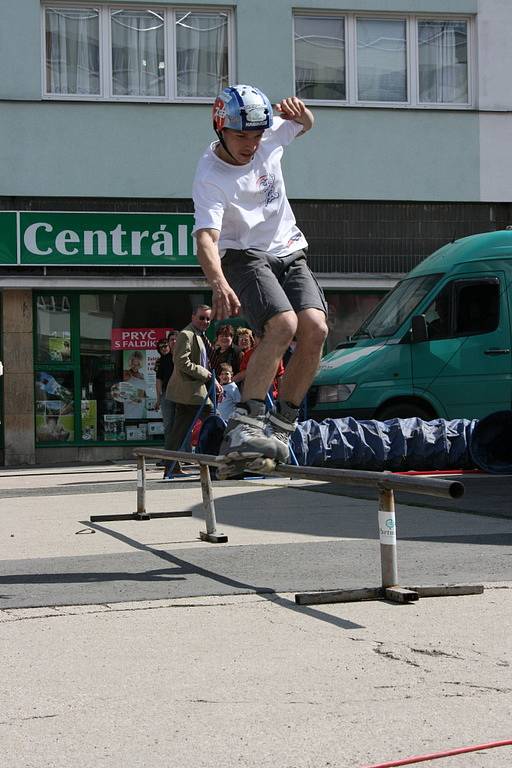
x,y
224,145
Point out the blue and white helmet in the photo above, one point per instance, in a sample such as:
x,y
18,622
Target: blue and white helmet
x,y
242,108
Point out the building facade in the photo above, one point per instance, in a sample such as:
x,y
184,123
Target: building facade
x,y
105,108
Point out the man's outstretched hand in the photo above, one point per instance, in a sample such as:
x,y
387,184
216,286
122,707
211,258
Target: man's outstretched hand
x,y
225,302
294,109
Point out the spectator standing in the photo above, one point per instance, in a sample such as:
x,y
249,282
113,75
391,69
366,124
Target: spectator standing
x,y
230,392
245,342
274,386
190,379
225,351
164,367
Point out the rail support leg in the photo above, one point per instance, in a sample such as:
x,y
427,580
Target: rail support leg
x,y
388,556
141,489
211,534
140,513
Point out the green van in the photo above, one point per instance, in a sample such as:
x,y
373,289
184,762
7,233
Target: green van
x,y
438,345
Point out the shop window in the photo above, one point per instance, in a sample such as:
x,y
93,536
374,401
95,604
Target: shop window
x,y
53,334
118,338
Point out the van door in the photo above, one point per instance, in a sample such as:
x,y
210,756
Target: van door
x,y
466,364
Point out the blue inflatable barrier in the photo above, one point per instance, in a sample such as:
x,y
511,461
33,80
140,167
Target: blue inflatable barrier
x,y
491,443
394,445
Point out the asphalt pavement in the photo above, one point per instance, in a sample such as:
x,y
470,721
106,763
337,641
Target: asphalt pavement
x,y
135,643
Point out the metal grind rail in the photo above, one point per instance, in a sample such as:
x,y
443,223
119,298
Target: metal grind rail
x,y
385,482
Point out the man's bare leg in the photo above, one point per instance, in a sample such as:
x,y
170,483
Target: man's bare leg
x,y
264,362
303,364
301,368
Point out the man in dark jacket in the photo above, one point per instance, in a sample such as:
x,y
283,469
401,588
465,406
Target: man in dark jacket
x,y
190,379
164,367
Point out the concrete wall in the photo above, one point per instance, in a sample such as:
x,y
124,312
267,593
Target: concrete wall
x,y
19,445
495,99
129,151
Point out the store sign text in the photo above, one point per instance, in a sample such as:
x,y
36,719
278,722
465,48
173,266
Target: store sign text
x,y
137,338
97,239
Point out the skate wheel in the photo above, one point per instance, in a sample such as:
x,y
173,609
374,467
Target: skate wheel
x,y
261,464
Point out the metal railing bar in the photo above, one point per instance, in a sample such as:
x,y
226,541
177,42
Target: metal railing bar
x,y
426,485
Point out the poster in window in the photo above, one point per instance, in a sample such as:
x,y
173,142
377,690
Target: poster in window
x,y
59,348
137,390
54,407
89,419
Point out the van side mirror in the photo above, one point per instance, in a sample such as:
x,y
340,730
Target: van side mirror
x,y
419,330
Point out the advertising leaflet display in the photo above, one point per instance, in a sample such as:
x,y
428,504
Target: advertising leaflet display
x,y
89,412
136,391
113,427
54,407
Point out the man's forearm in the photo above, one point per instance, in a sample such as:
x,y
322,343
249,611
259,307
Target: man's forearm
x,y
209,259
225,302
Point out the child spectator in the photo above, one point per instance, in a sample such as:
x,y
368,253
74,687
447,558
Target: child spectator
x,y
230,392
274,387
245,342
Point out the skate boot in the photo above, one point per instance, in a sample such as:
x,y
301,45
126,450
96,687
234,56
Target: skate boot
x,y
246,445
281,424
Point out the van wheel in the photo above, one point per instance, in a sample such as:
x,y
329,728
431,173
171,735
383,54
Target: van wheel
x,y
404,411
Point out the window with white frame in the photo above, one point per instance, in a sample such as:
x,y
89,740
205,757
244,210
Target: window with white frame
x,y
403,60
320,57
443,62
149,53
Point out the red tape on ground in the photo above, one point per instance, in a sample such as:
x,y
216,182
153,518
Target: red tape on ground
x,y
437,755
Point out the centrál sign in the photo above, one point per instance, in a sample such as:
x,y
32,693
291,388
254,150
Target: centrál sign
x,y
97,239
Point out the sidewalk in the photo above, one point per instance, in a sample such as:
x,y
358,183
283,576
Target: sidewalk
x,y
152,648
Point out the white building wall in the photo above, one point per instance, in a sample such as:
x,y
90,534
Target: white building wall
x,y
494,31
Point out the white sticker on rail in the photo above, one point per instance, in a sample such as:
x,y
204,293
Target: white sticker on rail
x,y
387,527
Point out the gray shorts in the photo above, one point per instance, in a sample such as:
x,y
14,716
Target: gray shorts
x,y
267,285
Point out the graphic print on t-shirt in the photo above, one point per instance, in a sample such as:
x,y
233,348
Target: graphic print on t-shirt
x,y
267,186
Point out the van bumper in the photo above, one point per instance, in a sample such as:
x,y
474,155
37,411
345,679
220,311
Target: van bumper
x,y
360,414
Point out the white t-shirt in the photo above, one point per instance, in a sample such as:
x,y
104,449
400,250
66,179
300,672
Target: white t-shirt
x,y
248,203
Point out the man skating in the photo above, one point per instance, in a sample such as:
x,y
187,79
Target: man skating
x,y
253,256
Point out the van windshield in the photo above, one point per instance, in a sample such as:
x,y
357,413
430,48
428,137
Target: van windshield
x,y
394,309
